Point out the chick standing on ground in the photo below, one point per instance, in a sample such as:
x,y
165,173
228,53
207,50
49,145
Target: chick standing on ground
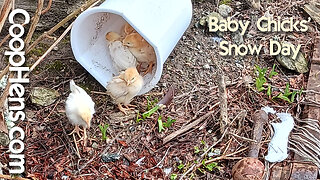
x,y
79,109
141,49
121,57
124,87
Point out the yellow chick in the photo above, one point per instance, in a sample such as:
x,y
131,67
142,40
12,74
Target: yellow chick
x,y
120,55
128,29
113,36
79,109
124,87
141,49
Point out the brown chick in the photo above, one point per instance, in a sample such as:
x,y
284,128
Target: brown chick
x,y
124,87
128,29
113,36
141,49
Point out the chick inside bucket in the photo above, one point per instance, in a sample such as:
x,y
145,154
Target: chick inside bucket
x,y
160,23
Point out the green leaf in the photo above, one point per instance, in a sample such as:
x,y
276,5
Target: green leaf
x,y
160,124
273,73
211,166
103,130
281,96
150,112
294,93
202,171
169,122
269,90
300,91
287,92
203,142
173,177
196,149
138,119
181,166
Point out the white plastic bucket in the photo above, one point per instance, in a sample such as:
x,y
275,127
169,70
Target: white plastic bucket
x,y
161,23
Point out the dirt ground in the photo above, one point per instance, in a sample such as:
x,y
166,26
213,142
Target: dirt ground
x,y
192,70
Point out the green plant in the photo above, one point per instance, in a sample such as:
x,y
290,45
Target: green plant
x,y
287,95
160,124
273,73
196,150
150,102
212,166
226,2
163,125
169,122
261,78
150,112
103,130
180,166
173,177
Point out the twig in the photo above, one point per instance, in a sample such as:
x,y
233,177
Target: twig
x,y
186,128
47,8
243,138
61,23
48,51
5,9
223,102
4,72
221,157
5,92
34,23
15,178
4,39
160,160
213,145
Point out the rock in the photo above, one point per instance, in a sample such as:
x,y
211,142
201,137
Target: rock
x,y
4,139
300,64
43,96
237,38
120,117
110,157
224,10
204,20
94,145
206,66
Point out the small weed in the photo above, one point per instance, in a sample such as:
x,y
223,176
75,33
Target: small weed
x,y
103,130
261,78
173,177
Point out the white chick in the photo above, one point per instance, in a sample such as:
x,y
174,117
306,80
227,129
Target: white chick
x,y
124,87
79,109
121,57
141,49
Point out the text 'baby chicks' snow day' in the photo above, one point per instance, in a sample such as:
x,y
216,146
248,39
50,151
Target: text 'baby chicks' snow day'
x,y
264,24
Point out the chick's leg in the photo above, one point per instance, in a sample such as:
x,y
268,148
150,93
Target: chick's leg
x,y
130,105
85,138
122,109
149,70
76,130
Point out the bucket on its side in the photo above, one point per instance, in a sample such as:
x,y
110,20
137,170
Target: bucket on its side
x,y
160,23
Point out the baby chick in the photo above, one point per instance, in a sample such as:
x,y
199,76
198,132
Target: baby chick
x,y
124,87
128,29
79,109
121,57
141,49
